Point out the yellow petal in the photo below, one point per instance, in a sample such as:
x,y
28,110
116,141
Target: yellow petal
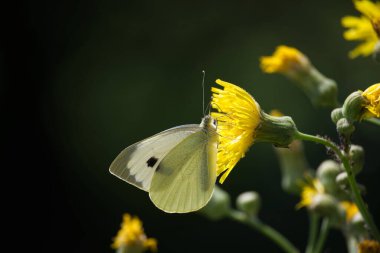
x,y
365,49
285,59
238,116
372,95
368,8
365,28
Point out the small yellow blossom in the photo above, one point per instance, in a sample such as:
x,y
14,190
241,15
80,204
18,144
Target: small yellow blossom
x,y
286,60
369,246
372,95
365,28
132,234
238,116
350,208
309,192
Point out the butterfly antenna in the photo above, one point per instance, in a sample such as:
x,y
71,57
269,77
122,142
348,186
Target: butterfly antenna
x,y
203,89
208,108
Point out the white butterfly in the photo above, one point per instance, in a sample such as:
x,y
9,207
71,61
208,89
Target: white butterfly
x,y
177,166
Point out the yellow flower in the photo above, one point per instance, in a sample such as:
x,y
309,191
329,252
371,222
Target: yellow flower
x,y
132,234
286,60
238,116
372,95
241,122
365,28
309,192
290,62
350,208
369,246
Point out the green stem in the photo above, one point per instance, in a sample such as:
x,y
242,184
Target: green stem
x,y
264,229
374,121
351,180
322,236
313,229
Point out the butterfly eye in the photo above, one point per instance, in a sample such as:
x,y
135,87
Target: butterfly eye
x,y
214,122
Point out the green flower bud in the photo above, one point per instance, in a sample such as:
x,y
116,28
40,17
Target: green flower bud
x,y
219,205
249,203
342,180
327,173
325,205
336,115
280,131
353,105
356,154
344,127
294,166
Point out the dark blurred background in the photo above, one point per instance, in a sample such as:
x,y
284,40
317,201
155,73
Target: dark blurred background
x,y
102,75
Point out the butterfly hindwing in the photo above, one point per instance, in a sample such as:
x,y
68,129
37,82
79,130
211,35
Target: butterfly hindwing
x,y
185,178
137,163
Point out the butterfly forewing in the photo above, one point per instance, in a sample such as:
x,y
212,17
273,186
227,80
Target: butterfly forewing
x,y
137,163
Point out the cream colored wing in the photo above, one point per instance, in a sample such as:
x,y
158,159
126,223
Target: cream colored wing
x,y
137,163
184,180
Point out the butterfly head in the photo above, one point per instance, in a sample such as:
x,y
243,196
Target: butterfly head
x,y
208,122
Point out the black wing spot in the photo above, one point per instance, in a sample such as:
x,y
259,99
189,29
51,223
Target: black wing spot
x,y
151,161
